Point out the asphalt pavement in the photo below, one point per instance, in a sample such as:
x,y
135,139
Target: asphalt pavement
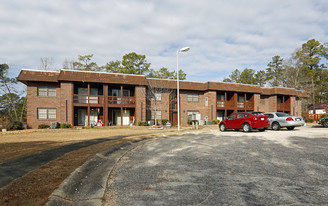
x,y
229,168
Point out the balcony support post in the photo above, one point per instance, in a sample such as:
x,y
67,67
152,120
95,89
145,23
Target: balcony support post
x,y
89,124
121,105
245,107
105,104
225,105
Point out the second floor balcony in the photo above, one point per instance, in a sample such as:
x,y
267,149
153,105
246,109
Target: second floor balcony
x,y
99,100
88,99
124,100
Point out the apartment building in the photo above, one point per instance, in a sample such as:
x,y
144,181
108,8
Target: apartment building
x,y
85,98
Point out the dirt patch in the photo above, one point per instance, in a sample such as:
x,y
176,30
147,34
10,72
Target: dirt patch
x,y
35,187
21,143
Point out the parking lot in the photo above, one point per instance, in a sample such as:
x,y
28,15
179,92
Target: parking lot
x,y
224,168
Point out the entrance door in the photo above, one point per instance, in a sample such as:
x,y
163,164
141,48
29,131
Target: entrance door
x,y
82,117
93,117
174,118
126,117
220,115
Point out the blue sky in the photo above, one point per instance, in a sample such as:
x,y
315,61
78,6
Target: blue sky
x,y
222,35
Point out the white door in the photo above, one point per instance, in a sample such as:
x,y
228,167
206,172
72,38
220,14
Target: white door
x,y
220,115
93,117
126,117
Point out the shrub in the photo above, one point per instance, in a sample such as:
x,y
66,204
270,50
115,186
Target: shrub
x,y
311,120
43,126
142,123
65,125
215,121
164,121
324,115
15,125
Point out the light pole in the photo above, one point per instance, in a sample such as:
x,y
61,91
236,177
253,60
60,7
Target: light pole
x,y
184,49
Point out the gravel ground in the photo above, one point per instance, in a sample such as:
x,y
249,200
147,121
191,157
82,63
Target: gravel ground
x,y
225,168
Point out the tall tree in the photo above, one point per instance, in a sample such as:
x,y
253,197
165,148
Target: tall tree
x,y
274,71
309,57
11,104
84,63
260,78
247,76
233,77
133,63
113,67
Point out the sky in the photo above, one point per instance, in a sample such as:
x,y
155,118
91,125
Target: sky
x,y
222,35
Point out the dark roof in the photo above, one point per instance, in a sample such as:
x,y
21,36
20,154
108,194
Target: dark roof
x,y
26,76
36,76
320,106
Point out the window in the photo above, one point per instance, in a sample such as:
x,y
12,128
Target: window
x,y
47,91
233,116
116,92
269,116
220,97
157,114
192,98
193,115
206,101
126,93
156,95
240,116
46,113
241,98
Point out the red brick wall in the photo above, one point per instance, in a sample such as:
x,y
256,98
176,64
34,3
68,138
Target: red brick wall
x,y
140,93
186,106
34,102
66,95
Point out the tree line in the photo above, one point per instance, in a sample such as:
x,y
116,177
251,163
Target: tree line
x,y
305,69
131,63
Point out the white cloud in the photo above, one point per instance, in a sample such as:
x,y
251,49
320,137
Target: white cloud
x,y
223,35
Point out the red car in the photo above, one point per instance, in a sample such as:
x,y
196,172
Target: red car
x,y
245,121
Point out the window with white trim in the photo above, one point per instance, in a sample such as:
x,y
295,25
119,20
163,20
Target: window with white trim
x,y
47,91
156,95
46,113
157,114
192,97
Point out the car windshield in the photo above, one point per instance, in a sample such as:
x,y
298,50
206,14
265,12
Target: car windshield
x,y
257,113
281,114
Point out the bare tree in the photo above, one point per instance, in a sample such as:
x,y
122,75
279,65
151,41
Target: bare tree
x,y
154,91
46,63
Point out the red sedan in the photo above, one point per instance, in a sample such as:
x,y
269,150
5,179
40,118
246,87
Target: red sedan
x,y
245,121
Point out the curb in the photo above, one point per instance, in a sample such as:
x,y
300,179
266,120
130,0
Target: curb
x,y
87,184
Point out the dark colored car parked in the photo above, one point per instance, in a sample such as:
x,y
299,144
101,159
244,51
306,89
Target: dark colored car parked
x,y
245,121
323,121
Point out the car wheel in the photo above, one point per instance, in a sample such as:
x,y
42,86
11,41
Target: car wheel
x,y
290,128
325,123
276,126
247,127
222,128
262,130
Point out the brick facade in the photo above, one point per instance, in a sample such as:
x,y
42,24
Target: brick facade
x,y
130,102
